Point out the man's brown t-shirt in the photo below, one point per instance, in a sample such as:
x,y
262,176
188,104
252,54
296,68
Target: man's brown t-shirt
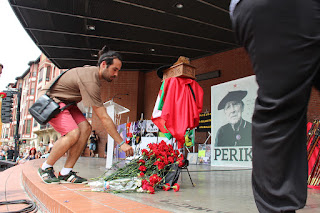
x,y
78,84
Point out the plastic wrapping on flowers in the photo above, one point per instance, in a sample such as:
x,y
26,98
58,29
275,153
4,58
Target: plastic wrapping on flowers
x,y
146,173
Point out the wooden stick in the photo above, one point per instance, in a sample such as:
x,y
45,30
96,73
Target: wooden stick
x,y
316,176
313,144
311,131
315,170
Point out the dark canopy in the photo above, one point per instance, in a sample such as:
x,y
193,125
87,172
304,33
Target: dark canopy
x,y
148,33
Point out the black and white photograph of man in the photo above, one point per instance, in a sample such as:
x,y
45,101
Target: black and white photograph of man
x,y
237,131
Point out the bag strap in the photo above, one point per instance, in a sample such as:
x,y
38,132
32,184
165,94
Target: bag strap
x,y
55,80
66,106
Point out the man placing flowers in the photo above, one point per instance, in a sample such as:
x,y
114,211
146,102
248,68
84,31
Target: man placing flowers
x,y
80,84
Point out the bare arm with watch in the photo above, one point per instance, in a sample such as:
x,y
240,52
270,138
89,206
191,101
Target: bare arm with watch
x,y
111,129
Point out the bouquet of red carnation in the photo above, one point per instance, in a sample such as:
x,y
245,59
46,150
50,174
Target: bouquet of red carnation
x,y
148,172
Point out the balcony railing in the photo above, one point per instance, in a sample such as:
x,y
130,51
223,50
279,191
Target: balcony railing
x,y
47,126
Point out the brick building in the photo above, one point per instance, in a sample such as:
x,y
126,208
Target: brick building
x,y
142,88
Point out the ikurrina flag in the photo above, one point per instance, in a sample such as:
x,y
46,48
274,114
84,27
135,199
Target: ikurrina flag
x,y
177,108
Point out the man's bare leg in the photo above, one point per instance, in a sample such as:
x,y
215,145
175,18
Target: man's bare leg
x,y
77,148
62,145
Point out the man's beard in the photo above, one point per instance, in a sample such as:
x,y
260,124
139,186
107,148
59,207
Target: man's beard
x,y
109,79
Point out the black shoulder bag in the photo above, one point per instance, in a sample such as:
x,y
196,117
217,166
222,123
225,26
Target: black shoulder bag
x,y
45,108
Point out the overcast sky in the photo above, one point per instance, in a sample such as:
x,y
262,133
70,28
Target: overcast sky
x,y
16,47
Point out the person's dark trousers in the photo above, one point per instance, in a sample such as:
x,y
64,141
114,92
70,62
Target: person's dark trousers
x,y
282,38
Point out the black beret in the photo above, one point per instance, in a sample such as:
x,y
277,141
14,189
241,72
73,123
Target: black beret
x,y
232,96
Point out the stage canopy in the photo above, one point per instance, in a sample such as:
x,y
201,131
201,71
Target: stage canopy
x,y
148,33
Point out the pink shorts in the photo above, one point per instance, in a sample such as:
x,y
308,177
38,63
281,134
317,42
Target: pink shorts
x,y
67,120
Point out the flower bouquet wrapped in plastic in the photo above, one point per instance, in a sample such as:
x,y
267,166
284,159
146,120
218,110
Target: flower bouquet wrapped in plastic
x,y
157,167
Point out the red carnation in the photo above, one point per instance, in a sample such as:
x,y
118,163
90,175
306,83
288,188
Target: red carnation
x,y
176,187
152,146
154,179
166,162
142,168
141,161
160,158
144,152
181,163
150,190
163,147
156,152
145,184
141,174
161,165
163,153
171,159
166,187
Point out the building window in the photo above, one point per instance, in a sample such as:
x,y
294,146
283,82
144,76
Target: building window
x,y
40,75
6,133
48,73
32,91
35,123
28,129
13,130
33,86
34,73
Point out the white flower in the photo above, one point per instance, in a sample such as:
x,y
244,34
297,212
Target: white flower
x,y
138,182
140,190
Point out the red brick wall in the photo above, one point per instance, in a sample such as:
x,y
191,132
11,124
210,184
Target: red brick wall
x,y
144,87
151,90
314,106
128,82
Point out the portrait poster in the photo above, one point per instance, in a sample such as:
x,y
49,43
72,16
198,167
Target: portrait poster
x,y
232,106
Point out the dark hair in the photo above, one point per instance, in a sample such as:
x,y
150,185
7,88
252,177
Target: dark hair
x,y
1,66
31,150
107,55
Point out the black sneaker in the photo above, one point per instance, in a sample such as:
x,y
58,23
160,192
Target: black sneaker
x,y
71,177
48,176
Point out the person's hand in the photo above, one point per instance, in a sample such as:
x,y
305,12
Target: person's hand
x,y
127,149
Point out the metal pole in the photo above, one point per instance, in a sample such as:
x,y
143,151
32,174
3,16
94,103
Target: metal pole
x,y
17,136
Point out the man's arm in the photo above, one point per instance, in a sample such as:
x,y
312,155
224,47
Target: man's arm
x,y
111,129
